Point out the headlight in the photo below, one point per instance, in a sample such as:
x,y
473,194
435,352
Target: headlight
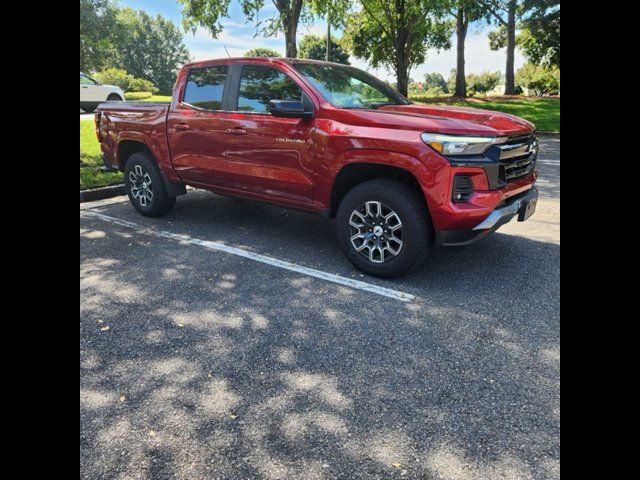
x,y
459,145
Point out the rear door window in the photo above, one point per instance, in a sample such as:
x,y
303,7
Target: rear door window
x,y
260,84
205,87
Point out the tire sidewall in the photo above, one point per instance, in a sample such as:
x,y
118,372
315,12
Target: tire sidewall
x,y
160,203
416,234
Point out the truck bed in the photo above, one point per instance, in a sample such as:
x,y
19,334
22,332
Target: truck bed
x,y
121,123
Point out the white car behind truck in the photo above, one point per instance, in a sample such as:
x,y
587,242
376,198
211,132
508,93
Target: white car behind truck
x,y
93,93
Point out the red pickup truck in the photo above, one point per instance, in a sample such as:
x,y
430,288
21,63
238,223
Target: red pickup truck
x,y
400,178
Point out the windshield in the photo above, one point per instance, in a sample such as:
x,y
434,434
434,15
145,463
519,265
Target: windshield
x,y
348,87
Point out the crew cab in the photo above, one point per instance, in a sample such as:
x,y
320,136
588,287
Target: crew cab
x,y
400,178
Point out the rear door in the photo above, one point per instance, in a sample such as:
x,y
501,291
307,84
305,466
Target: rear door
x,y
267,155
197,129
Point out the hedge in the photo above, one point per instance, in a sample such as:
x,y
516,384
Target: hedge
x,y
137,95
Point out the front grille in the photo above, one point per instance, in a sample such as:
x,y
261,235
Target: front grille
x,y
517,157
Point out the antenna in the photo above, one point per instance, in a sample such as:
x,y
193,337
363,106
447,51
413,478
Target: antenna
x,y
225,49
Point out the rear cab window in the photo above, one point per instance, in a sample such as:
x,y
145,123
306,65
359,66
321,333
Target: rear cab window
x,y
205,87
260,84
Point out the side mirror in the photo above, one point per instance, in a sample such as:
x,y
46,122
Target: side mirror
x,y
289,109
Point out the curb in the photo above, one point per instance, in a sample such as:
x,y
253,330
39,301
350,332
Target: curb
x,y
542,133
102,193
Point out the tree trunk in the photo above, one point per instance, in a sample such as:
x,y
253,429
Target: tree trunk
x,y
290,40
289,15
328,37
402,73
461,35
509,87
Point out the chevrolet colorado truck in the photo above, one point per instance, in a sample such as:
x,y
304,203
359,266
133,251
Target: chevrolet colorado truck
x,y
399,178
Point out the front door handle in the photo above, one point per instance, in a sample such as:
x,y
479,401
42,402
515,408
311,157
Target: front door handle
x,y
237,131
180,127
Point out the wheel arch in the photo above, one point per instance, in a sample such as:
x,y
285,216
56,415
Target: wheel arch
x,y
356,167
127,147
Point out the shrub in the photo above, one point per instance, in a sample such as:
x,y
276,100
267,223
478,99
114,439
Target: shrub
x,y
124,80
434,81
541,80
114,76
482,83
137,95
142,85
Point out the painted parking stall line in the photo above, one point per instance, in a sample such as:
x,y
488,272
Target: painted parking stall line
x,y
311,272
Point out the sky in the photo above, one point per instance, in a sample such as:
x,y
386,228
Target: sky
x,y
238,37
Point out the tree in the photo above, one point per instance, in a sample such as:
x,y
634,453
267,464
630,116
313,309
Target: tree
x,y
314,47
398,33
464,12
435,80
538,78
505,14
208,13
540,37
335,14
97,24
150,48
261,52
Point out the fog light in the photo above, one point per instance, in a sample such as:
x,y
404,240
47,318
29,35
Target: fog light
x,y
462,188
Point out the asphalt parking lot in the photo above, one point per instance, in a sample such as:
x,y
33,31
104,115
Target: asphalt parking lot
x,y
201,363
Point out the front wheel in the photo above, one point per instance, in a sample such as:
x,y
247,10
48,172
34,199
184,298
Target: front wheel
x,y
383,227
146,190
114,97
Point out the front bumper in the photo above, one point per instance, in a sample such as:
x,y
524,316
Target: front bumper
x,y
504,213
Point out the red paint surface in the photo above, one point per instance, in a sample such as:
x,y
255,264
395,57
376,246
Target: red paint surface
x,y
243,153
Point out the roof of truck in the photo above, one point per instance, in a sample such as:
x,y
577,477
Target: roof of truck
x,y
265,60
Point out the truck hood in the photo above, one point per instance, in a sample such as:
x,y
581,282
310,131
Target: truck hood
x,y
444,119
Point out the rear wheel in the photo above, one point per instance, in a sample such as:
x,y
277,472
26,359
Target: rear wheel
x,y
383,227
88,109
145,186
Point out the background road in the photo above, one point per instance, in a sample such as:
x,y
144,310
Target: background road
x,y
201,364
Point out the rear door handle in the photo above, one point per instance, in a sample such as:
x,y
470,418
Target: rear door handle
x,y
180,127
236,131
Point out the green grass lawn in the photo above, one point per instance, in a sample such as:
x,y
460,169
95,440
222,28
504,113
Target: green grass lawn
x,y
543,112
158,98
90,162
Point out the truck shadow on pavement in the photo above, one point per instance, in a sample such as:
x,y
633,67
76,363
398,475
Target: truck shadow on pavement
x,y
203,365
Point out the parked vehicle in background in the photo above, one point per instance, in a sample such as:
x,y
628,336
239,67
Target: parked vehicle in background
x,y
93,93
399,178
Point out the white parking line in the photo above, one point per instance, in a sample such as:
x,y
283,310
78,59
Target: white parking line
x,y
367,287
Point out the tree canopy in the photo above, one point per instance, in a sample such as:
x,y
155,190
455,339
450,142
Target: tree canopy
x,y
261,52
397,34
315,47
150,48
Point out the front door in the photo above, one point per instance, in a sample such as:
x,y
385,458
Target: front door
x,y
268,155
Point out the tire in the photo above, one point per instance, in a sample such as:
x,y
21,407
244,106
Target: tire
x,y
114,97
394,211
145,186
88,109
